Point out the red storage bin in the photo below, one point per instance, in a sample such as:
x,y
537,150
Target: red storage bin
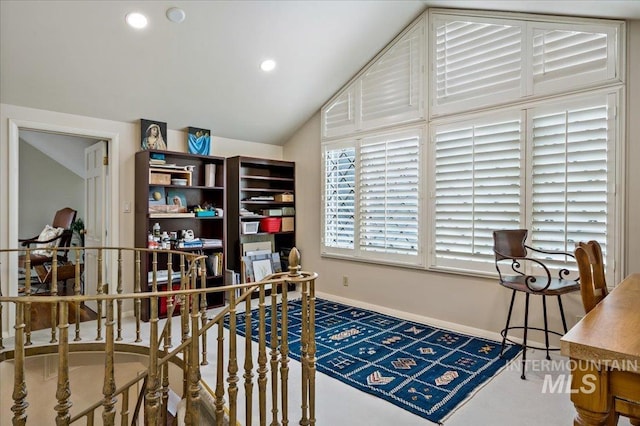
x,y
270,224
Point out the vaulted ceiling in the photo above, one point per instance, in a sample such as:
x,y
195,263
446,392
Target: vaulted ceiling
x,y
80,57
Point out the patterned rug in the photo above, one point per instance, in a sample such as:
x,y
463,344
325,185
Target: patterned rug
x,y
425,370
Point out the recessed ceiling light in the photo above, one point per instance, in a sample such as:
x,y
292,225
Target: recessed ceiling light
x,y
136,20
268,65
175,14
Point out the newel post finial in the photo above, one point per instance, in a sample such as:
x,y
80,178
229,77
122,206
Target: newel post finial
x,y
294,262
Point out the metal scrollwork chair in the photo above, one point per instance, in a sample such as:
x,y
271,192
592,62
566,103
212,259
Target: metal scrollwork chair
x,y
512,252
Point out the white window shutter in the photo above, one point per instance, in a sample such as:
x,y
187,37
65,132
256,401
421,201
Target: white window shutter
x,y
339,197
572,165
389,200
571,57
392,88
477,62
477,189
339,116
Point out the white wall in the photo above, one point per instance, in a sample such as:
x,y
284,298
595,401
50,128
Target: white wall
x,y
128,136
45,187
463,300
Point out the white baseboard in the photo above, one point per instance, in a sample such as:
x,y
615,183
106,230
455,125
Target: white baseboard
x,y
478,332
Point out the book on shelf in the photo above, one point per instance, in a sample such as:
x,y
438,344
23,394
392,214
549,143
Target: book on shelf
x,y
214,264
211,242
262,198
232,278
168,215
188,168
195,243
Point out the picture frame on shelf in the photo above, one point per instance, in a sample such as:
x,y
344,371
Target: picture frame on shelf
x,y
199,141
153,134
257,267
177,198
157,196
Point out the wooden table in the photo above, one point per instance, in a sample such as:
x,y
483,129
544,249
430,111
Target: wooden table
x,y
604,352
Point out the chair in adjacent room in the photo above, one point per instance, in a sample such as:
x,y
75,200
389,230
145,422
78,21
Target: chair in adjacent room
x,y
57,235
530,275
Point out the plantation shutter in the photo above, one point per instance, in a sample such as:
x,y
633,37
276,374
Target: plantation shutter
x,y
392,87
571,169
389,196
477,62
339,197
477,189
570,58
339,117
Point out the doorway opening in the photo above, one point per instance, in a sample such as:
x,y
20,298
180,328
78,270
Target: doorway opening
x,y
109,208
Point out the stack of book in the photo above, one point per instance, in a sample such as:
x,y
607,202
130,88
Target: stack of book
x,y
211,242
194,243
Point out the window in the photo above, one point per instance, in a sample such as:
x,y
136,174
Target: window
x,y
524,132
480,61
477,187
390,90
550,172
372,197
339,196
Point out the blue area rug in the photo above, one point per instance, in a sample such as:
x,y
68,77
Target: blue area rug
x,y
425,370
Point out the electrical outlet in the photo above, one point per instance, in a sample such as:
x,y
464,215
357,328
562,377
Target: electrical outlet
x,y
345,281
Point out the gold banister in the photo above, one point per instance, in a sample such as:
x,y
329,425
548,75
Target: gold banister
x,y
189,355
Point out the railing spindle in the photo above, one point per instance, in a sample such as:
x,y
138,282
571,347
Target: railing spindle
x,y
262,359
219,403
233,360
63,392
284,356
136,288
248,360
77,289
274,355
109,386
99,292
54,292
27,292
19,396
119,291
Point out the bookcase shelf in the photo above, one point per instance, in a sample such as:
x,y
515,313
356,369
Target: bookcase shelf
x,y
257,177
194,193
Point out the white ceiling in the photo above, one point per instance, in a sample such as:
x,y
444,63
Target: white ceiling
x,y
79,57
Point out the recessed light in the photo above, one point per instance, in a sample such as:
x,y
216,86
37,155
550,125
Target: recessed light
x,y
175,14
268,65
136,20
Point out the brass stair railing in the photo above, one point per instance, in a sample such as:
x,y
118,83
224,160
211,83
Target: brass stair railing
x,y
166,351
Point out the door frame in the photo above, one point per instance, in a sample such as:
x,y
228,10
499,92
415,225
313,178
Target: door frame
x,y
112,194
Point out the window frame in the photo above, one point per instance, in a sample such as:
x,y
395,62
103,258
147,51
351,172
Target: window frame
x,y
357,253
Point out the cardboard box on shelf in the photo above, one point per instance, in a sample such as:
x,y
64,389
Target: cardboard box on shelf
x,y
287,224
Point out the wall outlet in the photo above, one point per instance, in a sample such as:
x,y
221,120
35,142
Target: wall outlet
x,y
345,281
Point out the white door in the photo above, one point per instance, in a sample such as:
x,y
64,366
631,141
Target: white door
x,y
95,226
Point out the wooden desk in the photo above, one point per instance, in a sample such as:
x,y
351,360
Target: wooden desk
x,y
604,348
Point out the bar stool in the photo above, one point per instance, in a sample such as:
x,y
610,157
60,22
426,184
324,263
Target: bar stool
x,y
509,247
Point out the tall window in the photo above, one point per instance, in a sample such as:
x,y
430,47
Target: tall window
x,y
524,132
372,197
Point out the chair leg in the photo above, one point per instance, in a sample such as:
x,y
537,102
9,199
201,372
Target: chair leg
x,y
526,328
546,325
506,328
564,321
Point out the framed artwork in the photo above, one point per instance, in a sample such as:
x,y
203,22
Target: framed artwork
x,y
176,198
261,268
153,134
199,141
258,266
157,196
